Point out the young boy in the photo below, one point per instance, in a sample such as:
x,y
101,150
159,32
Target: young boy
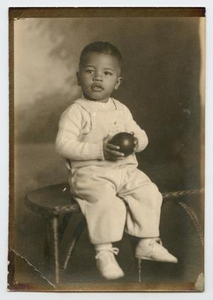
x,y
101,178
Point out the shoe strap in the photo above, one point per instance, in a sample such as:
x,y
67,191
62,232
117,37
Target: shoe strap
x,y
157,244
112,250
158,240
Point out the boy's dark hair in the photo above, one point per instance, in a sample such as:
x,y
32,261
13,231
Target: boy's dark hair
x,y
101,47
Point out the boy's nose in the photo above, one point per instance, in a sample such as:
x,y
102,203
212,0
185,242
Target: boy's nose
x,y
97,77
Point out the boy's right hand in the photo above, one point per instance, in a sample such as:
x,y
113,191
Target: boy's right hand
x,y
111,152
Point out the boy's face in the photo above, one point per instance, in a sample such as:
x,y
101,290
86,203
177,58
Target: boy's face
x,y
99,76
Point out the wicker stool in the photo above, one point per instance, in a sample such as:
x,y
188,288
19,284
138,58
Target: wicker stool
x,y
56,206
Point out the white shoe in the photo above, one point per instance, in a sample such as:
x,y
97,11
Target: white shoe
x,y
152,249
107,264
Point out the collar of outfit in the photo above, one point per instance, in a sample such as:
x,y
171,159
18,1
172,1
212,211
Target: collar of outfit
x,y
100,106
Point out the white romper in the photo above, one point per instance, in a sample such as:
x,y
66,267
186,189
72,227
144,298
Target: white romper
x,y
113,196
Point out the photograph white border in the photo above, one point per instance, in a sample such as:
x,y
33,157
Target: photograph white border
x,y
4,149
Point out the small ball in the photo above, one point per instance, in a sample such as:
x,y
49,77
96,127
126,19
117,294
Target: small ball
x,y
125,141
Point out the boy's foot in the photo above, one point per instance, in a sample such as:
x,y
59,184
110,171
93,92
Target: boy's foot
x,y
152,249
107,264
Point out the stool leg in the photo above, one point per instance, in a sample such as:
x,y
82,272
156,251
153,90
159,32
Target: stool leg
x,y
54,247
139,270
46,238
78,231
63,225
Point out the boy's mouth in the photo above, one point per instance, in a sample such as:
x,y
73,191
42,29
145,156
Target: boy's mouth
x,y
97,88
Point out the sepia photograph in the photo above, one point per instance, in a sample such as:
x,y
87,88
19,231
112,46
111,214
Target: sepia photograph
x,y
107,115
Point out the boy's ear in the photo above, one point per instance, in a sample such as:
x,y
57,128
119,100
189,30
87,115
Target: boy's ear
x,y
119,80
78,78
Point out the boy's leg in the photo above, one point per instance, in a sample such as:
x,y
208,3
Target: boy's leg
x,y
105,215
143,216
144,204
105,212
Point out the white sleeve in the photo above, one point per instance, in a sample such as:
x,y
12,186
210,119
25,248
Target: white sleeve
x,y
132,126
71,124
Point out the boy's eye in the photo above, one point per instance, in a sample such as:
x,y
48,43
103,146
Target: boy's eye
x,y
108,73
89,71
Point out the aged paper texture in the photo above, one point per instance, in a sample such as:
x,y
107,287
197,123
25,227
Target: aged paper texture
x,y
163,86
